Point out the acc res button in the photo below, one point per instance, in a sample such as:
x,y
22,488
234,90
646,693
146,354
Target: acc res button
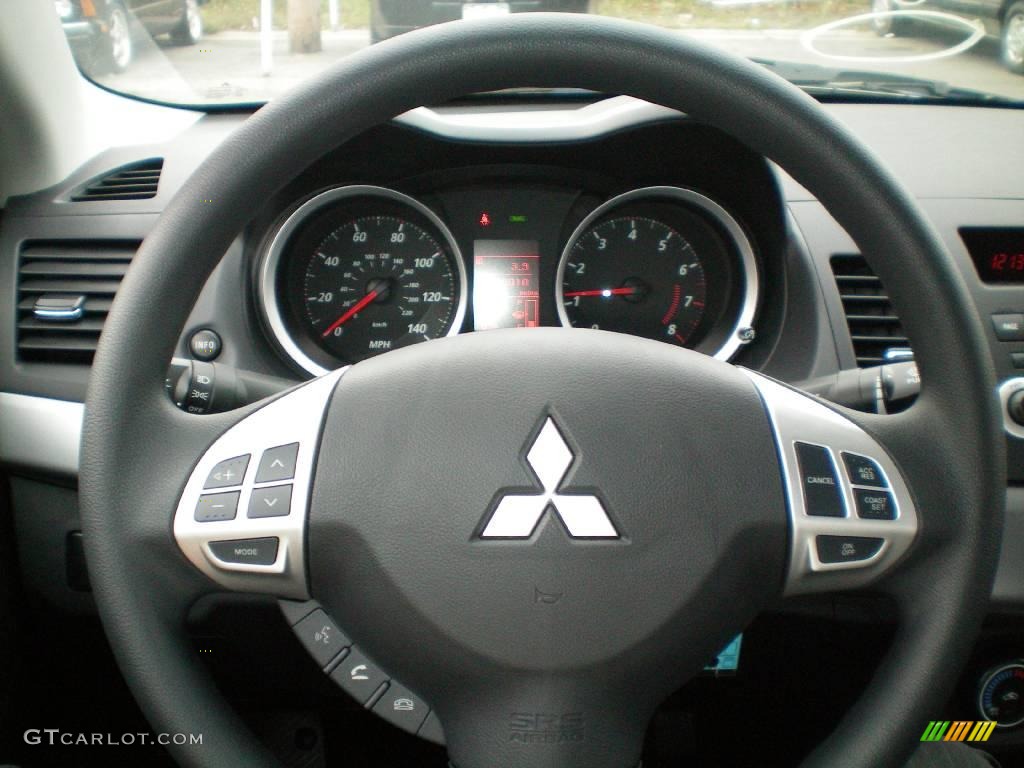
x,y
246,551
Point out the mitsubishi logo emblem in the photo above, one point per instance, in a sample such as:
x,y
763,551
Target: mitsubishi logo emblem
x,y
517,515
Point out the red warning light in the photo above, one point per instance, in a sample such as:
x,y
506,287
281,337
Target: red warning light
x,y
485,219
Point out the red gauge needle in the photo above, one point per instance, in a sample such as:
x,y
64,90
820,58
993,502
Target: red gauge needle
x,y
350,311
625,291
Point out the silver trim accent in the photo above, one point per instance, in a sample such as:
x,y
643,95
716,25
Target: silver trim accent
x,y
58,315
537,125
748,262
1006,389
293,418
796,417
40,433
274,254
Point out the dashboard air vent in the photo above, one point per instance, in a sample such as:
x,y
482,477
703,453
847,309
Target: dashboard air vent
x,y
65,290
132,182
874,327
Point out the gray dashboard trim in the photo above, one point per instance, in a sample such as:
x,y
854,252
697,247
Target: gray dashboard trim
x,y
537,125
40,433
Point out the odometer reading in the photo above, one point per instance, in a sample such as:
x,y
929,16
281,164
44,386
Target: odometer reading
x,y
635,275
377,283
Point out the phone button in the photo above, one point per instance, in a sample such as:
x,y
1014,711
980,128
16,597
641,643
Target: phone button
x,y
401,707
359,676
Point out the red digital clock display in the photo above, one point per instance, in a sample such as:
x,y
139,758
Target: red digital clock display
x,y
998,254
1007,262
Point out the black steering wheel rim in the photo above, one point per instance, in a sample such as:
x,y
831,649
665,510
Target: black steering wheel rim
x,y
143,586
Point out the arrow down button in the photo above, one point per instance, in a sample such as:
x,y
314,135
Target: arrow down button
x,y
273,501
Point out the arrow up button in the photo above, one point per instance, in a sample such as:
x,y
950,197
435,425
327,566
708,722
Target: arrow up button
x,y
278,463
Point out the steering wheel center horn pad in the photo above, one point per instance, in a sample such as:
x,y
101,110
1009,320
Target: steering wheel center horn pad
x,y
423,449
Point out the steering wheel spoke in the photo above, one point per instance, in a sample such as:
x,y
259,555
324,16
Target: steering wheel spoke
x,y
241,518
852,516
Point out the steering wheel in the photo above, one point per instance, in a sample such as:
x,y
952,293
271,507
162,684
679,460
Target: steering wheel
x,y
438,490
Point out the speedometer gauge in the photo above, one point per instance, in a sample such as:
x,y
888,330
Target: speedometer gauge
x,y
377,283
662,262
358,271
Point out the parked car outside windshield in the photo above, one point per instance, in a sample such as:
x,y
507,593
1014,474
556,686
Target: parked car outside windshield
x,y
223,52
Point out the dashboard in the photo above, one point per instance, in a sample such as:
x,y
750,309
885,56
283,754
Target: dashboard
x,y
609,214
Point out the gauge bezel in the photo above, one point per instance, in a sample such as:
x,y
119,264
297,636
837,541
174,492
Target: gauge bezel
x,y
736,240
986,680
275,258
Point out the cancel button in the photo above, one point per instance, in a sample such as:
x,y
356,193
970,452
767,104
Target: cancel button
x,y
823,496
246,551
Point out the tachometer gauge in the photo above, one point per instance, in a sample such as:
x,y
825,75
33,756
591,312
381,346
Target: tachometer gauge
x,y
358,271
638,275
665,263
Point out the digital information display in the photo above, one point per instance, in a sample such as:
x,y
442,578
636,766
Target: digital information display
x,y
506,284
998,254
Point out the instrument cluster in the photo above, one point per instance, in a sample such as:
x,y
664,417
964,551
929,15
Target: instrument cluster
x,y
355,271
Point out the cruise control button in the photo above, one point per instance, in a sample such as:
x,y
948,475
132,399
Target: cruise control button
x,y
864,471
874,505
401,707
823,496
274,501
277,463
321,637
1009,327
847,549
246,551
227,473
359,676
216,506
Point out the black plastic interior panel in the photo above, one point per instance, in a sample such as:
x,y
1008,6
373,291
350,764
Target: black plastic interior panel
x,y
446,176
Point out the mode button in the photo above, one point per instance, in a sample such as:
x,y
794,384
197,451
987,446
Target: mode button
x,y
246,551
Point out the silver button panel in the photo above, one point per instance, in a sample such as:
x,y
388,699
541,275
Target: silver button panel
x,y
271,509
848,553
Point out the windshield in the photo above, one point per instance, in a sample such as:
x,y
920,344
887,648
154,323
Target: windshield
x,y
224,52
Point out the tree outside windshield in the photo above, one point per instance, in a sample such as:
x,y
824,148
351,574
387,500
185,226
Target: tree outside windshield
x,y
220,52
